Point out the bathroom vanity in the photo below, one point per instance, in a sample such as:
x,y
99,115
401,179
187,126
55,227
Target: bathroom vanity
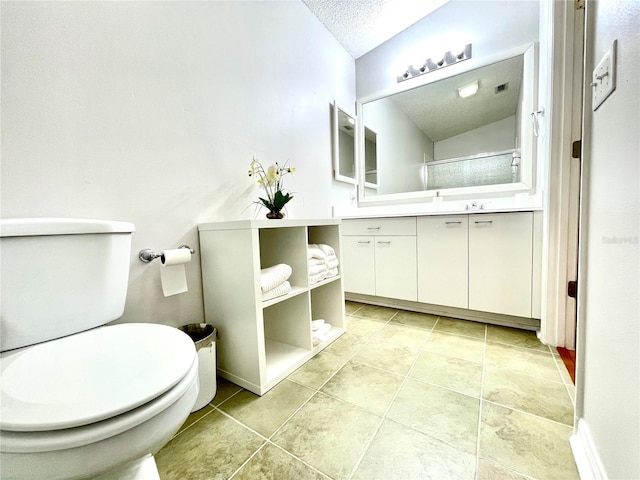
x,y
479,265
261,342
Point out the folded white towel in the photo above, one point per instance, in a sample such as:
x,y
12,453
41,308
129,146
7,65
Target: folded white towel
x,y
317,269
324,328
317,261
313,251
271,277
316,324
332,272
317,278
326,249
320,335
278,291
332,262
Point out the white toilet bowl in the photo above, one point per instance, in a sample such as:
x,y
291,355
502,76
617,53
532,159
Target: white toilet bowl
x,y
94,402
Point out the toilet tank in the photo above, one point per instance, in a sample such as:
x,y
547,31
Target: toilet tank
x,y
60,276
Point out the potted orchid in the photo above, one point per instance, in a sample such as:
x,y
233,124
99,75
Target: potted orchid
x,y
271,180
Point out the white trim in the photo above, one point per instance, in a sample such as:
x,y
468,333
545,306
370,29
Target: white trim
x,y
560,108
585,453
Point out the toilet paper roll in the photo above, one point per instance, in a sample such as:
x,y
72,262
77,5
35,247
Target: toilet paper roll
x,y
172,272
177,256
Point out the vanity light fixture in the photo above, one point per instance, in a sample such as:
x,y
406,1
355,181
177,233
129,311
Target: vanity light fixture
x,y
468,90
435,63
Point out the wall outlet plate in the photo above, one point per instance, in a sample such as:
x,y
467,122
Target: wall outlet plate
x,y
603,80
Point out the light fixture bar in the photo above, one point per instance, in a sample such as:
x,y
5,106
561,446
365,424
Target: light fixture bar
x,y
432,64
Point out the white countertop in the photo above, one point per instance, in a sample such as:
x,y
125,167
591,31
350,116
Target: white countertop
x,y
434,208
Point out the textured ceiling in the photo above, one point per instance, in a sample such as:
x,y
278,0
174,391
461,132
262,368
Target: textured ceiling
x,y
438,111
362,25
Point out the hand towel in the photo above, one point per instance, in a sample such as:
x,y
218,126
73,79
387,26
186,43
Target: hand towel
x,y
332,272
271,277
278,291
316,324
332,262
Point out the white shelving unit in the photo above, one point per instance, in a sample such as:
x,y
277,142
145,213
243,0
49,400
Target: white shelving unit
x,y
261,342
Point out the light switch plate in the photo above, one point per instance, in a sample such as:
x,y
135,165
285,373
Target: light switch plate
x,y
603,80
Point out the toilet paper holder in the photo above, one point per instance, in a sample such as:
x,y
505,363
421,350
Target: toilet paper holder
x,y
148,254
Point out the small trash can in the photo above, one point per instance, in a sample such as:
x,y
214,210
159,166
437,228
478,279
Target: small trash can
x,y
204,336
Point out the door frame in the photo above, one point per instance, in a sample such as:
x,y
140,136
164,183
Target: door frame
x,y
564,22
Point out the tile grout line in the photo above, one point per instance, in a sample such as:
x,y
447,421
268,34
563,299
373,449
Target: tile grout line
x,y
529,413
481,400
213,409
267,440
384,415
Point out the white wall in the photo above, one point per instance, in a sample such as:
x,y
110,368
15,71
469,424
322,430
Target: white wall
x,y
609,303
492,26
401,147
493,137
150,112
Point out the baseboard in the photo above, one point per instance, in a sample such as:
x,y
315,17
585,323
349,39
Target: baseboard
x,y
463,313
585,454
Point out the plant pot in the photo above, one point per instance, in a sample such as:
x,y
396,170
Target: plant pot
x,y
275,215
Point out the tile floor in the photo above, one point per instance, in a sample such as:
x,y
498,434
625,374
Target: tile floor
x,y
401,395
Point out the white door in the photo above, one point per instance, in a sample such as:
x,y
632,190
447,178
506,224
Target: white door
x,y
396,269
359,264
443,260
500,263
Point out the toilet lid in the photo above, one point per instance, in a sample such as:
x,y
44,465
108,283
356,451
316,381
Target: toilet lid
x,y
91,376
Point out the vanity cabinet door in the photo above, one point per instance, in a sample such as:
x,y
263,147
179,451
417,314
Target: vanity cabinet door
x,y
500,263
359,264
443,260
396,269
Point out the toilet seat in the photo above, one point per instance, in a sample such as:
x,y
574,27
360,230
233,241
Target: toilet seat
x,y
52,401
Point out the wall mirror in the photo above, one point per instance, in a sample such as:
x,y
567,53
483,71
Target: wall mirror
x,y
344,145
370,158
431,141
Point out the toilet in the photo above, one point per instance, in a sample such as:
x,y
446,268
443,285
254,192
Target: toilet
x,y
79,398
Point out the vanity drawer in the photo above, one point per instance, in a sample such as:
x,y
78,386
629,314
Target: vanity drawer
x,y
380,226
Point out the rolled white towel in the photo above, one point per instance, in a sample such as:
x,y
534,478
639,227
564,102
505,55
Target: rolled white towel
x,y
316,324
313,251
326,249
278,291
271,277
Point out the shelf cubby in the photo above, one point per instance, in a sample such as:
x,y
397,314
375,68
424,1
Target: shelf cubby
x,y
261,342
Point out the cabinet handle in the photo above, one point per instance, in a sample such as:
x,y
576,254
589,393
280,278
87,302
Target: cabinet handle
x,y
373,228
449,223
385,243
364,241
483,221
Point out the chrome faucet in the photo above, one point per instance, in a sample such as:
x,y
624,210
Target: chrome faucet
x,y
474,206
